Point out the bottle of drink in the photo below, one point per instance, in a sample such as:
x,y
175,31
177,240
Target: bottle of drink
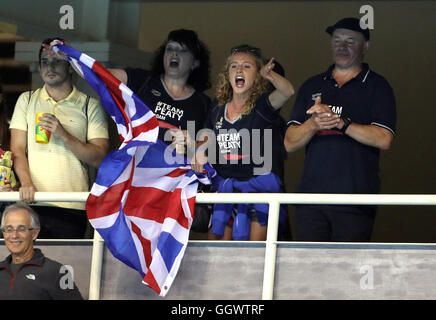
x,y
41,135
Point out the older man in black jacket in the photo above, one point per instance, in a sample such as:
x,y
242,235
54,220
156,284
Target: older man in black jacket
x,y
26,273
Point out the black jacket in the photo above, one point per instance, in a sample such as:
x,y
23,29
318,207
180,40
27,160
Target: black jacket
x,y
37,279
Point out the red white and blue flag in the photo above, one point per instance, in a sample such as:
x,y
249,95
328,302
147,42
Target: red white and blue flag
x,y
142,201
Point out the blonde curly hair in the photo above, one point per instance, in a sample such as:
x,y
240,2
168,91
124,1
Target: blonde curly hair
x,y
224,92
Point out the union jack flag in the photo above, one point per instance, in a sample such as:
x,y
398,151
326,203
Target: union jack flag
x,y
142,201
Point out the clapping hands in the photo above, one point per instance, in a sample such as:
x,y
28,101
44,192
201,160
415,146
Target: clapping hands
x,y
323,117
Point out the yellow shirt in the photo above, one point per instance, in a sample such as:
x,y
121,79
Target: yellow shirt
x,y
53,167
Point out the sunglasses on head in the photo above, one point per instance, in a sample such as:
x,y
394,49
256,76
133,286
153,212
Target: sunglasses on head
x,y
247,49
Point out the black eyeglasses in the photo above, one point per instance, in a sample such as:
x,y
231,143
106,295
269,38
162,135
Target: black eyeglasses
x,y
247,49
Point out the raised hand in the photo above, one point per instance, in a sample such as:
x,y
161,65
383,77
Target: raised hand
x,y
51,123
266,69
50,52
179,136
199,160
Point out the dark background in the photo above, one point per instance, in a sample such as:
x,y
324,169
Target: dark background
x,y
402,49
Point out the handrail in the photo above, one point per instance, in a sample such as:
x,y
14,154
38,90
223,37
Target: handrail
x,y
48,196
319,198
273,199
285,198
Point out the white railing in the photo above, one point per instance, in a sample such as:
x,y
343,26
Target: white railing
x,y
273,199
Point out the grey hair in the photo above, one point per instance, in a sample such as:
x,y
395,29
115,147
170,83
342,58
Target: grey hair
x,y
34,219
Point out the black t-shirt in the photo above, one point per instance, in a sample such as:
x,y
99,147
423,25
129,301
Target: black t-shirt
x,y
172,113
335,162
249,145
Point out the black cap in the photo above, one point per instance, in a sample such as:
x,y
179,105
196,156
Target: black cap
x,y
350,24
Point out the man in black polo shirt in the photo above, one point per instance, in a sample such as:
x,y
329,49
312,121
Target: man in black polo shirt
x,y
343,117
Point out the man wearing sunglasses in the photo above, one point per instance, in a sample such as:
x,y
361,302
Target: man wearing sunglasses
x,y
26,273
343,117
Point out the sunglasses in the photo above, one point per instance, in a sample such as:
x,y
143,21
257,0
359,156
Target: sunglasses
x,y
247,49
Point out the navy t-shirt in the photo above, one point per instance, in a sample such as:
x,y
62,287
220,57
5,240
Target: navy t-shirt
x,y
172,113
249,145
335,162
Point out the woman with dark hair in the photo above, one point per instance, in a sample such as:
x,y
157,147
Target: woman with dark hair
x,y
246,142
173,88
199,76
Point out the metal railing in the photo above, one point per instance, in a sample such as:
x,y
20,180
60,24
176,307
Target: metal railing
x,y
273,199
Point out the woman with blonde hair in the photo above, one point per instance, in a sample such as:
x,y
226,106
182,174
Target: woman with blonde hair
x,y
245,148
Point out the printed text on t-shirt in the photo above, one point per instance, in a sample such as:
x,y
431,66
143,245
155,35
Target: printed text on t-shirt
x,y
164,110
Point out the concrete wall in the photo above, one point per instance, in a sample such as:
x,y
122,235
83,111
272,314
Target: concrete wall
x,y
304,271
92,20
222,271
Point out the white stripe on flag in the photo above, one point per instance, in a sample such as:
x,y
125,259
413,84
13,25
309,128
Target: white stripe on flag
x,y
159,269
137,242
129,105
152,172
190,190
167,184
150,229
173,272
121,128
78,67
129,134
104,222
147,136
87,60
123,199
143,119
171,226
125,89
97,190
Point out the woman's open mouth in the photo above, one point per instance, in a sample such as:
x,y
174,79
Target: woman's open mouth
x,y
174,63
239,82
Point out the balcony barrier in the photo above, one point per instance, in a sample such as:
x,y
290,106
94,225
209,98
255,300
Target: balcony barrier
x,y
273,199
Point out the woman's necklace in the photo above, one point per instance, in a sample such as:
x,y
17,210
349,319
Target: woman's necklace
x,y
233,112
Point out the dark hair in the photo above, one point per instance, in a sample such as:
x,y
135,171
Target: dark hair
x,y
200,76
278,68
46,41
352,24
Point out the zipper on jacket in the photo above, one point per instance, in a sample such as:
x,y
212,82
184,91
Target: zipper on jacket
x,y
10,272
18,270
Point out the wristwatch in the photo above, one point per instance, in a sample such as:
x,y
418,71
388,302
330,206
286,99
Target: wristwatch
x,y
347,122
